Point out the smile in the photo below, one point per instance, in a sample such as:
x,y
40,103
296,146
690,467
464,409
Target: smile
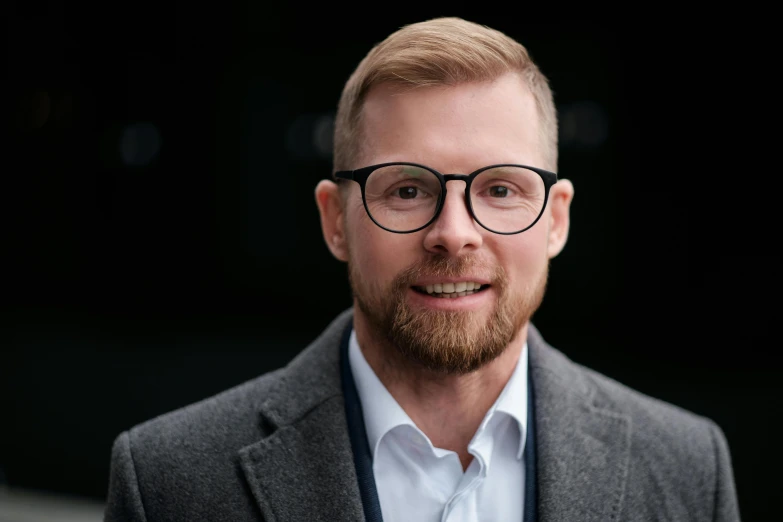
x,y
451,290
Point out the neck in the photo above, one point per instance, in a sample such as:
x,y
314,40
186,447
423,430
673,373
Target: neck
x,y
447,408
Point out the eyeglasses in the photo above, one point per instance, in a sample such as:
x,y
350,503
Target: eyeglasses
x,y
407,197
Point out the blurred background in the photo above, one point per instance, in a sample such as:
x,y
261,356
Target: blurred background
x,y
163,242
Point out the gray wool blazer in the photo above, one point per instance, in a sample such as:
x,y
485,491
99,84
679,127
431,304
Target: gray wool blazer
x,y
276,448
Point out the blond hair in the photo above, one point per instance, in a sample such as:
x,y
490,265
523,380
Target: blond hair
x,y
442,51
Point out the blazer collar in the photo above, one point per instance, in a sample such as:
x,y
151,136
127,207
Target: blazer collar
x,y
303,469
305,465
583,446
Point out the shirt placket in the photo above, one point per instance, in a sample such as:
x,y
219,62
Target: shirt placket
x,y
459,506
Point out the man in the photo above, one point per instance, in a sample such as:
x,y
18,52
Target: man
x,y
434,397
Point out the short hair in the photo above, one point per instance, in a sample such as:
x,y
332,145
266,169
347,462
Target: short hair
x,y
440,52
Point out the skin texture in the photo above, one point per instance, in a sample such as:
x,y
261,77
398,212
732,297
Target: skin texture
x,y
453,129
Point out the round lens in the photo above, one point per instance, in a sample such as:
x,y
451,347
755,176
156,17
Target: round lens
x,y
402,197
507,199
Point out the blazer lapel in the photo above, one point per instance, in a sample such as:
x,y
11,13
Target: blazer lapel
x,y
583,449
303,469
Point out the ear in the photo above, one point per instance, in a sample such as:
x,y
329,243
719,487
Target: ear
x,y
560,196
330,207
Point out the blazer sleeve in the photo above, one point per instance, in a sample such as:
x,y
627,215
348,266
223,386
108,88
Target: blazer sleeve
x,y
726,506
124,499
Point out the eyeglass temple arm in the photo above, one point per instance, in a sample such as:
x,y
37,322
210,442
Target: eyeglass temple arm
x,y
344,174
359,175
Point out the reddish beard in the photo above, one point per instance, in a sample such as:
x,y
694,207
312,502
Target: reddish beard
x,y
446,341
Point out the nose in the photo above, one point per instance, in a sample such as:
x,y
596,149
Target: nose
x,y
454,233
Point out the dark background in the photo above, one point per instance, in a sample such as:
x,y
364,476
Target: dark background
x,y
164,241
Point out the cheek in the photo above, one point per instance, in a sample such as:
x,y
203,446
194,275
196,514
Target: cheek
x,y
376,253
523,256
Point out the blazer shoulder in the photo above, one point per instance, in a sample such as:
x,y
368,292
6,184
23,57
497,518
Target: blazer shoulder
x,y
660,427
228,420
160,465
233,418
682,455
606,393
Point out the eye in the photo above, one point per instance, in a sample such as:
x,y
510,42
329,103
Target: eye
x,y
407,192
498,191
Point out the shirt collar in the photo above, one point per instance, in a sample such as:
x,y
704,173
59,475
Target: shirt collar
x,y
382,413
513,399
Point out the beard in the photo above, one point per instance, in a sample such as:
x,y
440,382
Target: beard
x,y
446,341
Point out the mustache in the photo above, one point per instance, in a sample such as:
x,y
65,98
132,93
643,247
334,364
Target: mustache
x,y
449,267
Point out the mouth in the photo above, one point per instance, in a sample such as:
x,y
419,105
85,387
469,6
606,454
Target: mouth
x,y
451,290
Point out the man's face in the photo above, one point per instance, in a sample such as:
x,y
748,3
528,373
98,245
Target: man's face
x,y
455,129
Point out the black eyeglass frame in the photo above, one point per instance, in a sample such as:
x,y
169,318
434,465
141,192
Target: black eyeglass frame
x,y
360,176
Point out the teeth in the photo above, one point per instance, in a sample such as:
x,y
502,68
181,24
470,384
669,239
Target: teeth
x,y
452,289
452,295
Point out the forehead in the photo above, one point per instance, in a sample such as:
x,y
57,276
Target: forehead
x,y
452,128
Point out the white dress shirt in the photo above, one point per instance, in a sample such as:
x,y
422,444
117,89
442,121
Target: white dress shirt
x,y
417,481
